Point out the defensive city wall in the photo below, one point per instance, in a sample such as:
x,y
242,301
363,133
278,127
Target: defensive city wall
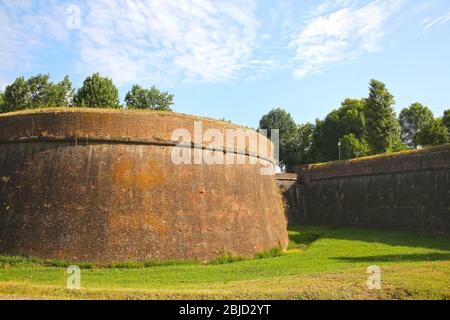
x,y
407,191
104,186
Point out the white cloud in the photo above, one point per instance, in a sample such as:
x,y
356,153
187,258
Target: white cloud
x,y
329,5
139,40
341,35
438,21
26,26
147,40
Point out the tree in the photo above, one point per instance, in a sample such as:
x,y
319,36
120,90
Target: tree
x,y
433,133
299,151
382,127
44,93
326,137
304,140
348,119
16,96
2,105
37,92
412,120
351,117
446,120
61,93
281,120
352,147
316,151
153,99
97,92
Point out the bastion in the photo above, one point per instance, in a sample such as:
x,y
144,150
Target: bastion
x,y
102,186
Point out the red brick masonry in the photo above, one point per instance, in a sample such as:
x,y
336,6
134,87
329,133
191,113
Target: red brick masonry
x,y
100,186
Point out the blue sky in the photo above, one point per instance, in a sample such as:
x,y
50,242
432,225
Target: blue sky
x,y
237,59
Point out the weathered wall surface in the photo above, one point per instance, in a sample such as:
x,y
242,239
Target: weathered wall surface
x,y
409,191
101,186
287,183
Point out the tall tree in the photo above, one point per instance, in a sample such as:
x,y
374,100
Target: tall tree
x,y
351,117
281,120
352,147
299,151
412,120
348,119
316,151
97,92
382,127
305,141
151,99
433,133
326,138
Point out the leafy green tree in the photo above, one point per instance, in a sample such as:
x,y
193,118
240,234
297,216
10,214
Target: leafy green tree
x,y
97,92
382,127
446,120
351,117
61,93
326,138
37,92
433,133
299,151
2,104
348,119
316,151
151,99
352,147
281,120
16,95
304,142
412,120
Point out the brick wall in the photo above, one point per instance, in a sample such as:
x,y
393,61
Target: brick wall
x,y
404,191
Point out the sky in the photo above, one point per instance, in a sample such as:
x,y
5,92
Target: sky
x,y
237,59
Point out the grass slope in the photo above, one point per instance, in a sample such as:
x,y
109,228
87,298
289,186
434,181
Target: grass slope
x,y
322,263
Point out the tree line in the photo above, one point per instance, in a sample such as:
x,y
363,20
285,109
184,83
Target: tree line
x,y
96,92
359,127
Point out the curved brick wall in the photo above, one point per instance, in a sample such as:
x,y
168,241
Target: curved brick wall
x,y
90,185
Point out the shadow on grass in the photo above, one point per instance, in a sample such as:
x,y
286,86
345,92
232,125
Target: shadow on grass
x,y
393,238
398,258
302,239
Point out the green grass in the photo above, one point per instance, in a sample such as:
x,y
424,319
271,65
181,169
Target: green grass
x,y
226,257
321,263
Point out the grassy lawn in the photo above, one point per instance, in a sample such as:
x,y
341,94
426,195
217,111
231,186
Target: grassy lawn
x,y
322,263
